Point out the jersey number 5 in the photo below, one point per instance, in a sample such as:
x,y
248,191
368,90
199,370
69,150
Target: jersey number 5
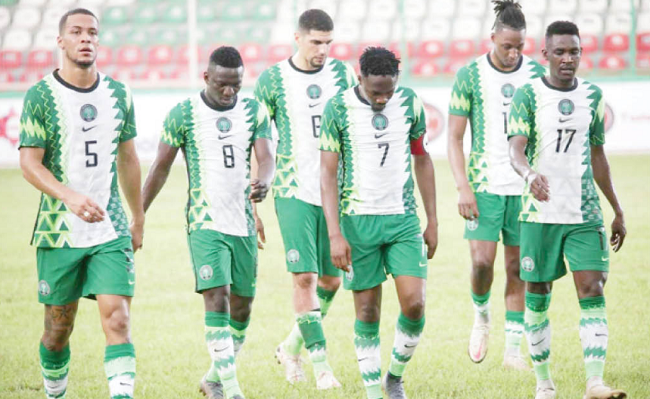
x,y
92,162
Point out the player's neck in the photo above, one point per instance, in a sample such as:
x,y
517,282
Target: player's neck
x,y
301,63
559,83
498,65
82,78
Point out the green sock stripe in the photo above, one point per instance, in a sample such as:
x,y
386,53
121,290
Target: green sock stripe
x,y
217,319
592,302
54,356
596,352
480,299
366,330
119,366
538,302
117,351
534,324
373,391
401,358
239,325
410,327
324,294
311,329
542,357
594,368
542,371
515,317
371,376
54,364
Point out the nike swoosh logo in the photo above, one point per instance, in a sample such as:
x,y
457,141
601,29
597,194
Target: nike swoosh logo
x,y
604,259
537,343
314,105
410,346
126,384
562,120
220,350
224,137
505,104
131,282
361,360
423,264
601,335
378,136
85,129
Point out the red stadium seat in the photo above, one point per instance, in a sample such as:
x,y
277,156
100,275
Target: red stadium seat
x,y
430,49
363,46
342,51
31,76
616,42
40,59
183,73
586,63
10,59
153,74
123,74
461,48
397,49
643,61
160,55
425,69
129,55
589,43
486,46
454,64
104,56
6,77
251,52
643,41
183,55
279,52
612,62
530,46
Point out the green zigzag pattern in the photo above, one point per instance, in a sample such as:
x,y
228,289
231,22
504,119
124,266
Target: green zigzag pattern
x,y
114,207
408,199
477,164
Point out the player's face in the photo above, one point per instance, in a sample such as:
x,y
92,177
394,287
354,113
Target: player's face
x,y
508,45
563,54
79,39
314,46
222,84
378,89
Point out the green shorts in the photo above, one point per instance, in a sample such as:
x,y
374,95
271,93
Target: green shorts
x,y
67,274
304,233
497,214
544,247
220,259
381,245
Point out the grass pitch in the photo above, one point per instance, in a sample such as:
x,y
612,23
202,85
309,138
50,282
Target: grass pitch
x,y
167,317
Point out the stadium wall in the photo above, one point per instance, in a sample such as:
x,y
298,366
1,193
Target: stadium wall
x,y
627,120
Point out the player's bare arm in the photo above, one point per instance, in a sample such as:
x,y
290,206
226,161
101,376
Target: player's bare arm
x,y
467,207
339,247
158,173
259,224
265,169
128,170
426,179
31,163
538,183
603,178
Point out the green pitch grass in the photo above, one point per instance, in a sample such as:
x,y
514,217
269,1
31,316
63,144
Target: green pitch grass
x,y
167,316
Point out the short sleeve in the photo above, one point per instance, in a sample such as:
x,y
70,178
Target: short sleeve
x,y
128,129
521,113
419,125
597,126
173,133
461,94
32,126
351,76
330,131
264,93
262,123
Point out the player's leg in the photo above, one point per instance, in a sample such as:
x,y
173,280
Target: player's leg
x,y
242,290
329,277
367,305
587,251
60,275
240,312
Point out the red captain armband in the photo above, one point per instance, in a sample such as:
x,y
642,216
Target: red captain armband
x,y
418,146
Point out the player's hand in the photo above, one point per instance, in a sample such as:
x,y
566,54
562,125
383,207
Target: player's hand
x,y
261,238
137,235
618,232
467,207
258,191
430,236
539,187
340,252
85,208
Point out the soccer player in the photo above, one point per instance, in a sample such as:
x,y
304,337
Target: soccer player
x,y
216,129
295,92
556,131
489,193
76,133
374,128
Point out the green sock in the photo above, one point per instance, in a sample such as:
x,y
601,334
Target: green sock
x,y
325,299
538,333
294,341
238,332
54,368
119,365
312,332
407,337
593,335
366,345
481,307
514,330
220,347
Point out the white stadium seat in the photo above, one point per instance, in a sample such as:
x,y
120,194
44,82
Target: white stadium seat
x,y
590,24
375,31
353,10
382,10
441,8
52,15
5,17
535,27
645,5
435,29
26,17
619,22
472,8
346,32
282,33
112,3
466,28
593,6
288,11
45,39
643,22
415,9
17,39
92,3
328,6
411,31
533,7
622,5
562,6
68,4
556,17
31,3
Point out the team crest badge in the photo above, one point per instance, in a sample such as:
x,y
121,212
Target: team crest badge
x,y
293,256
379,122
205,272
527,264
566,107
314,92
508,90
43,288
472,224
88,112
224,124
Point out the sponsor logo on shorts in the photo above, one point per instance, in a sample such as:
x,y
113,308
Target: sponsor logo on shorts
x,y
130,266
527,264
349,275
205,272
293,256
43,288
472,224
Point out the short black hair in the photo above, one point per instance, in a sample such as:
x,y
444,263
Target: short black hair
x,y
562,28
378,61
315,19
75,11
509,15
227,57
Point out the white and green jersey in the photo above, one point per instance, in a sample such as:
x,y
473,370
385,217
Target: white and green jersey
x,y
80,130
483,94
375,150
217,145
295,100
561,126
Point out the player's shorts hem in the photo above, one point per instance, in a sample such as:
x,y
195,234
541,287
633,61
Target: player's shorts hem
x,y
350,286
242,293
541,279
119,291
302,269
472,236
511,243
422,276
